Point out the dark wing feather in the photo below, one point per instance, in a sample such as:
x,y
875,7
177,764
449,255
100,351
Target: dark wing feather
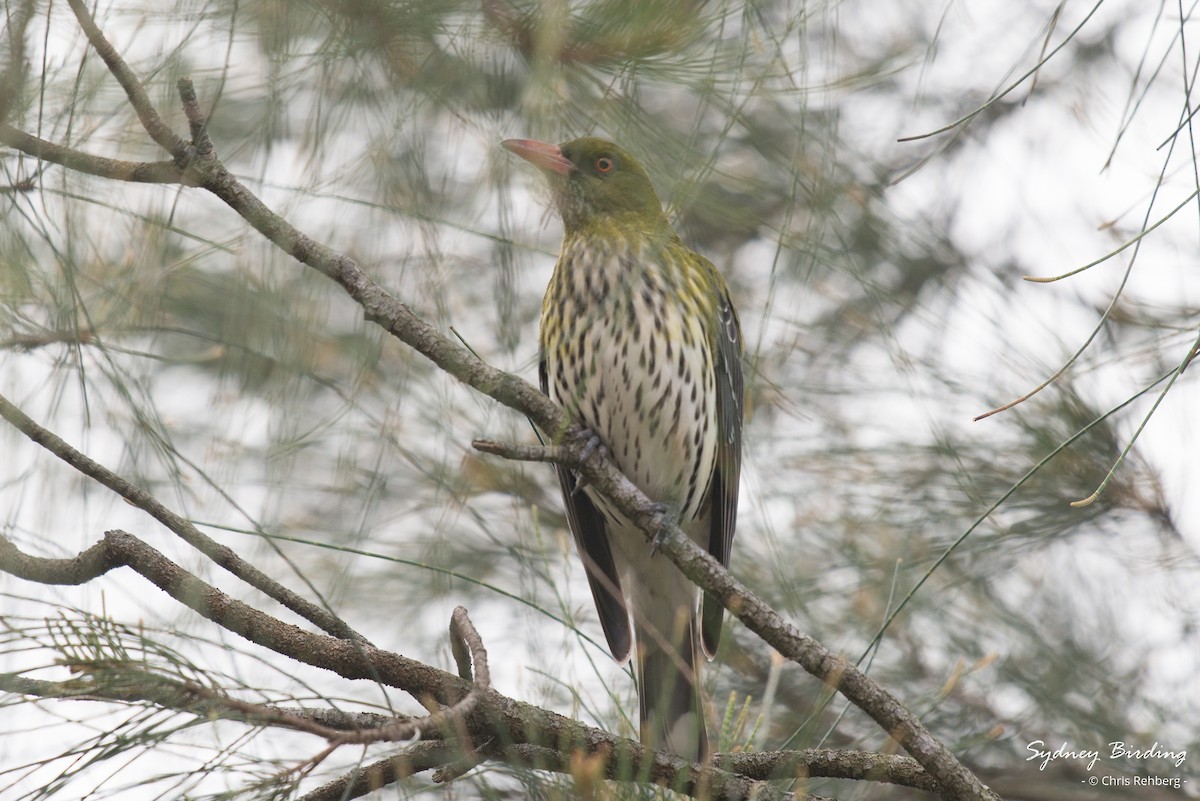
x,y
724,489
591,540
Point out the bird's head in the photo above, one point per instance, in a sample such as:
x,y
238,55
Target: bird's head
x,y
594,181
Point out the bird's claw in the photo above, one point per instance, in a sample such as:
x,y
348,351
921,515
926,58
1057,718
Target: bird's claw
x,y
592,444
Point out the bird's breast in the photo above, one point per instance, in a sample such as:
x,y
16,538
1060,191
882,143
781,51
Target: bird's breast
x,y
626,338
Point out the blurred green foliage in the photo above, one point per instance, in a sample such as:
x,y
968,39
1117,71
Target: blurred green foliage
x,y
160,333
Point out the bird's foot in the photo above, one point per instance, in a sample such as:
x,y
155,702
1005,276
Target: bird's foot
x,y
592,444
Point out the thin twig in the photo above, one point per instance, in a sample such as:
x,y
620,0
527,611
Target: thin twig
x,y
19,187
556,454
467,646
1137,246
1089,500
195,117
1000,95
1146,231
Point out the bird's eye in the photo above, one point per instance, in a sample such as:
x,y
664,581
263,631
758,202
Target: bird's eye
x,y
604,164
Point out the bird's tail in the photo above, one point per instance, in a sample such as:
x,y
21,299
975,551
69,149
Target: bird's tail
x,y
668,676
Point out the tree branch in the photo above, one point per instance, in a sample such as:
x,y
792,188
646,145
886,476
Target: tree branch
x,y
188,697
554,454
146,172
766,765
828,763
493,718
359,782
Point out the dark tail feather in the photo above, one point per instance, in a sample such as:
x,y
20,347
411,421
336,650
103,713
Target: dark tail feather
x,y
672,712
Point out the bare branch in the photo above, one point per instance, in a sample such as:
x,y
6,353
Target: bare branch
x,y
493,720
555,454
759,766
466,643
79,569
827,763
146,172
141,686
28,342
195,118
103,557
350,659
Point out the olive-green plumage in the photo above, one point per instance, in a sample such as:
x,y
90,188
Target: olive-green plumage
x,y
640,342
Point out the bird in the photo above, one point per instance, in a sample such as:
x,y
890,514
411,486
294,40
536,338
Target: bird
x,y
640,343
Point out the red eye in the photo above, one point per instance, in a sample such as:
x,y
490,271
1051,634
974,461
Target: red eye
x,y
604,164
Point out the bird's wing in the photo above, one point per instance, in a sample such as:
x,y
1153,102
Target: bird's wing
x,y
723,491
591,540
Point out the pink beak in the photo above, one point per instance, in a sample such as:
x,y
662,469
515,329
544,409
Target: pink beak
x,y
542,155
